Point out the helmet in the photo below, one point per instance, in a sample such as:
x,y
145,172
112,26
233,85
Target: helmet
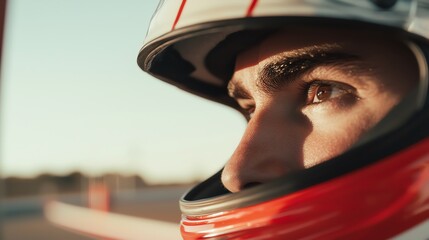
x,y
377,189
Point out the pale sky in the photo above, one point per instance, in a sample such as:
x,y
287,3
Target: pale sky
x,y
73,98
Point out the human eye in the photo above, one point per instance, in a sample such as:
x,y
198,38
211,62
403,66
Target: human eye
x,y
327,91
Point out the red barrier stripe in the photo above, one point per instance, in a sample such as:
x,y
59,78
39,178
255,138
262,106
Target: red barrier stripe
x,y
251,8
179,13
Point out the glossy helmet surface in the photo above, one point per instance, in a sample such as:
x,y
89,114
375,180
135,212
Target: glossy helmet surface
x,y
377,190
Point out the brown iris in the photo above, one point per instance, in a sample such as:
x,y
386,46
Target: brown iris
x,y
323,93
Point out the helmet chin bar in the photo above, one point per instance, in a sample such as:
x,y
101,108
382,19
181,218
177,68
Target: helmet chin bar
x,y
379,201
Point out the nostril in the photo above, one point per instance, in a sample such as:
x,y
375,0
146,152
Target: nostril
x,y
250,185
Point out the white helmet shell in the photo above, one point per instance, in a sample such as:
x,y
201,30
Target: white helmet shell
x,y
185,34
172,14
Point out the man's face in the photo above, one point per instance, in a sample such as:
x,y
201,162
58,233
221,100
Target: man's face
x,y
310,95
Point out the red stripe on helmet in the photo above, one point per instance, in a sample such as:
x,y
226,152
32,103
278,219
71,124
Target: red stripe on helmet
x,y
179,13
251,8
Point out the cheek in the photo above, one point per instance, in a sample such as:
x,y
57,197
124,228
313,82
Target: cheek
x,y
333,134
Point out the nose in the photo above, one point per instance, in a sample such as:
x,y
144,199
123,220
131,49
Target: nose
x,y
267,150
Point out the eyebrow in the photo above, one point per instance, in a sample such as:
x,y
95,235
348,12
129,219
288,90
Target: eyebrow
x,y
289,66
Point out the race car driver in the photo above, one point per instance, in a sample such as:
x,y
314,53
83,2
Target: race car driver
x,y
335,94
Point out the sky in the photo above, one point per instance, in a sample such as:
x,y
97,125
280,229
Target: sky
x,y
74,99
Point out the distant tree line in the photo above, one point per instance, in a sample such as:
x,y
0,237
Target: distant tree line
x,y
70,183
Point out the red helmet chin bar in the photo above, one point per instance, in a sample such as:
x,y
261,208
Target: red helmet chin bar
x,y
377,190
379,201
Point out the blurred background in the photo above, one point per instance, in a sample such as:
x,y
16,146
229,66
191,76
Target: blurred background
x,y
80,119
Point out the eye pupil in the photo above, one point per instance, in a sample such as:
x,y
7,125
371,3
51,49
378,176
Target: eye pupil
x,y
324,92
